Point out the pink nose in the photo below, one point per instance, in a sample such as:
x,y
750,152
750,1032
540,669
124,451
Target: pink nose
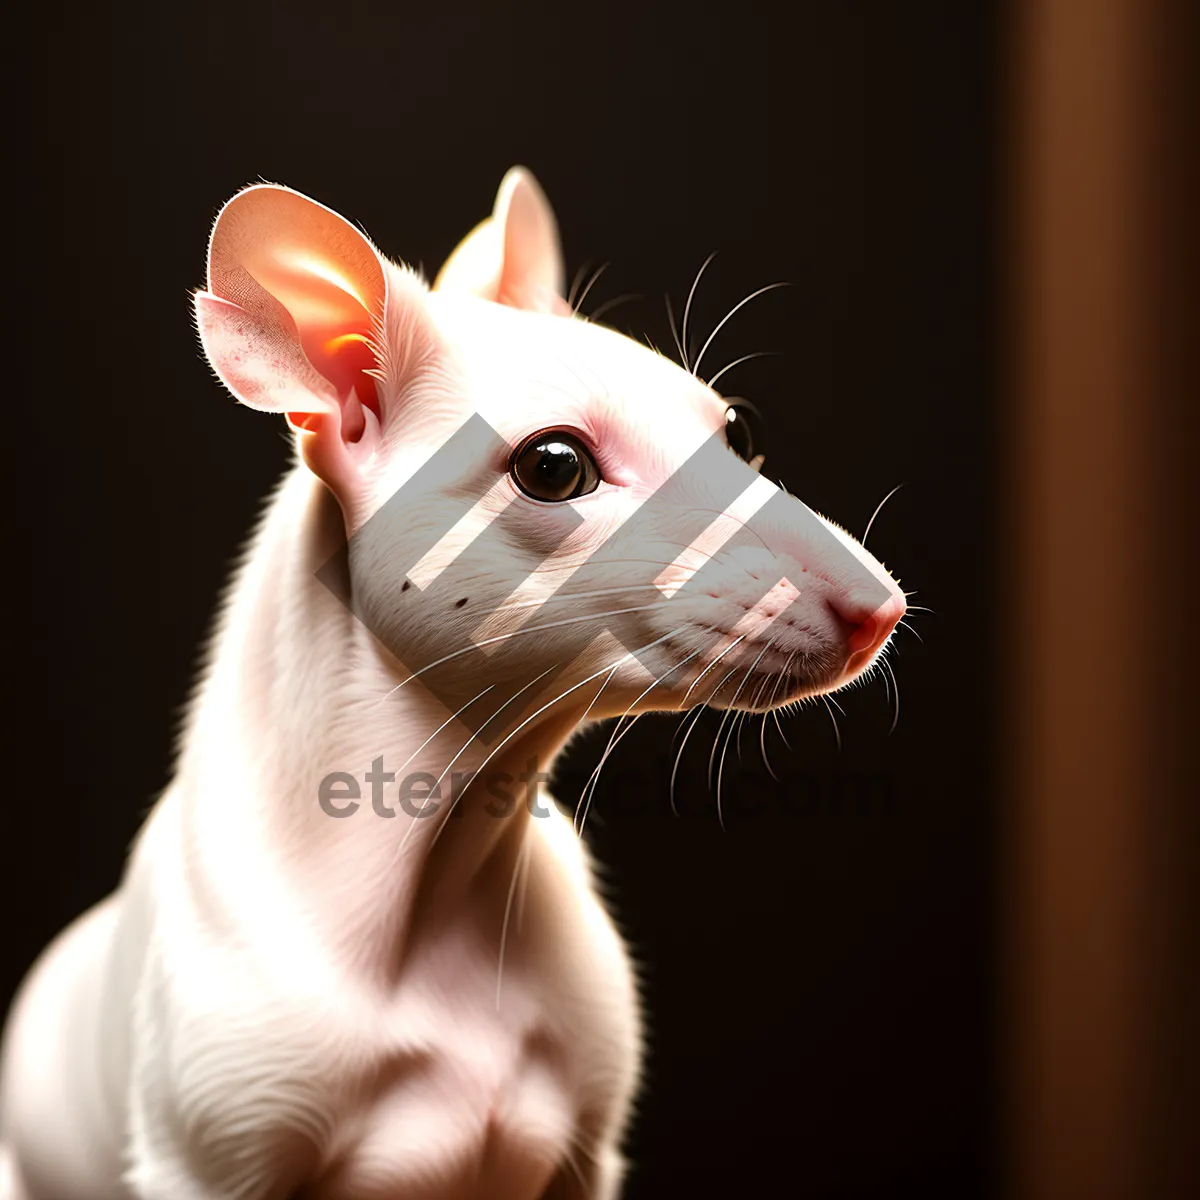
x,y
870,628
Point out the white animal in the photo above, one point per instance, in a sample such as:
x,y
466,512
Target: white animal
x,y
279,1002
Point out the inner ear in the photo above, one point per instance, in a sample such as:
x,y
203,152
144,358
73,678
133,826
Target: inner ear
x,y
338,336
298,271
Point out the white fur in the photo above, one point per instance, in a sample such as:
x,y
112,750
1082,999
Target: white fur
x,y
368,1007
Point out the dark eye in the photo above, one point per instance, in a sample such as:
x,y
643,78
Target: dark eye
x,y
554,466
737,431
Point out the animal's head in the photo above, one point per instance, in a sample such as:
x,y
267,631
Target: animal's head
x,y
532,500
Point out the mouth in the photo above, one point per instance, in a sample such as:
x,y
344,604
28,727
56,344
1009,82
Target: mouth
x,y
757,675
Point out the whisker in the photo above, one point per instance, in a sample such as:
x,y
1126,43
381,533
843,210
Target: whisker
x,y
710,667
583,1185
589,788
575,285
775,715
683,721
729,707
737,362
454,800
595,699
867,531
687,308
451,717
517,633
697,710
887,666
584,804
740,304
533,716
559,596
675,333
591,283
837,733
906,625
609,305
762,729
526,841
739,724
721,767
762,746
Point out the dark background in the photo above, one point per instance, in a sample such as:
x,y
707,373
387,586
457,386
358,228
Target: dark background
x,y
818,976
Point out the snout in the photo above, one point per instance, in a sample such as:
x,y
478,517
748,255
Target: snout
x,y
796,640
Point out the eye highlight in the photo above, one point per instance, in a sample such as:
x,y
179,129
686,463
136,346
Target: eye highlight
x,y
554,466
738,431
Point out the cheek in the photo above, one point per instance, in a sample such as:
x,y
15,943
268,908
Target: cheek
x,y
556,536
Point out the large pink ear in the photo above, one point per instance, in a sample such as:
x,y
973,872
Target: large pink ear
x,y
514,256
295,299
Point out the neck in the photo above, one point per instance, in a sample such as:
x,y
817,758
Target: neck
x,y
304,769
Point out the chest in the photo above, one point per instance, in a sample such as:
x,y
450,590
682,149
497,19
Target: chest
x,y
489,1072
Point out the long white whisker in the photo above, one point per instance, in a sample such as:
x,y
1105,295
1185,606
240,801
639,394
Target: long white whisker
x,y
675,333
523,888
591,283
454,800
683,721
887,666
575,284
878,507
560,596
837,733
609,305
608,679
589,788
502,637
737,362
583,807
699,709
721,767
709,668
739,724
687,308
693,712
729,707
533,716
734,309
451,717
775,715
512,887
762,729
762,745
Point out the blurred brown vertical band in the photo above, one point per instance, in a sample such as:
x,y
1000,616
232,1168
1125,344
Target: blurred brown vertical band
x,y
1100,957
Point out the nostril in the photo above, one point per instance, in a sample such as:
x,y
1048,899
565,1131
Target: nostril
x,y
867,635
870,629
